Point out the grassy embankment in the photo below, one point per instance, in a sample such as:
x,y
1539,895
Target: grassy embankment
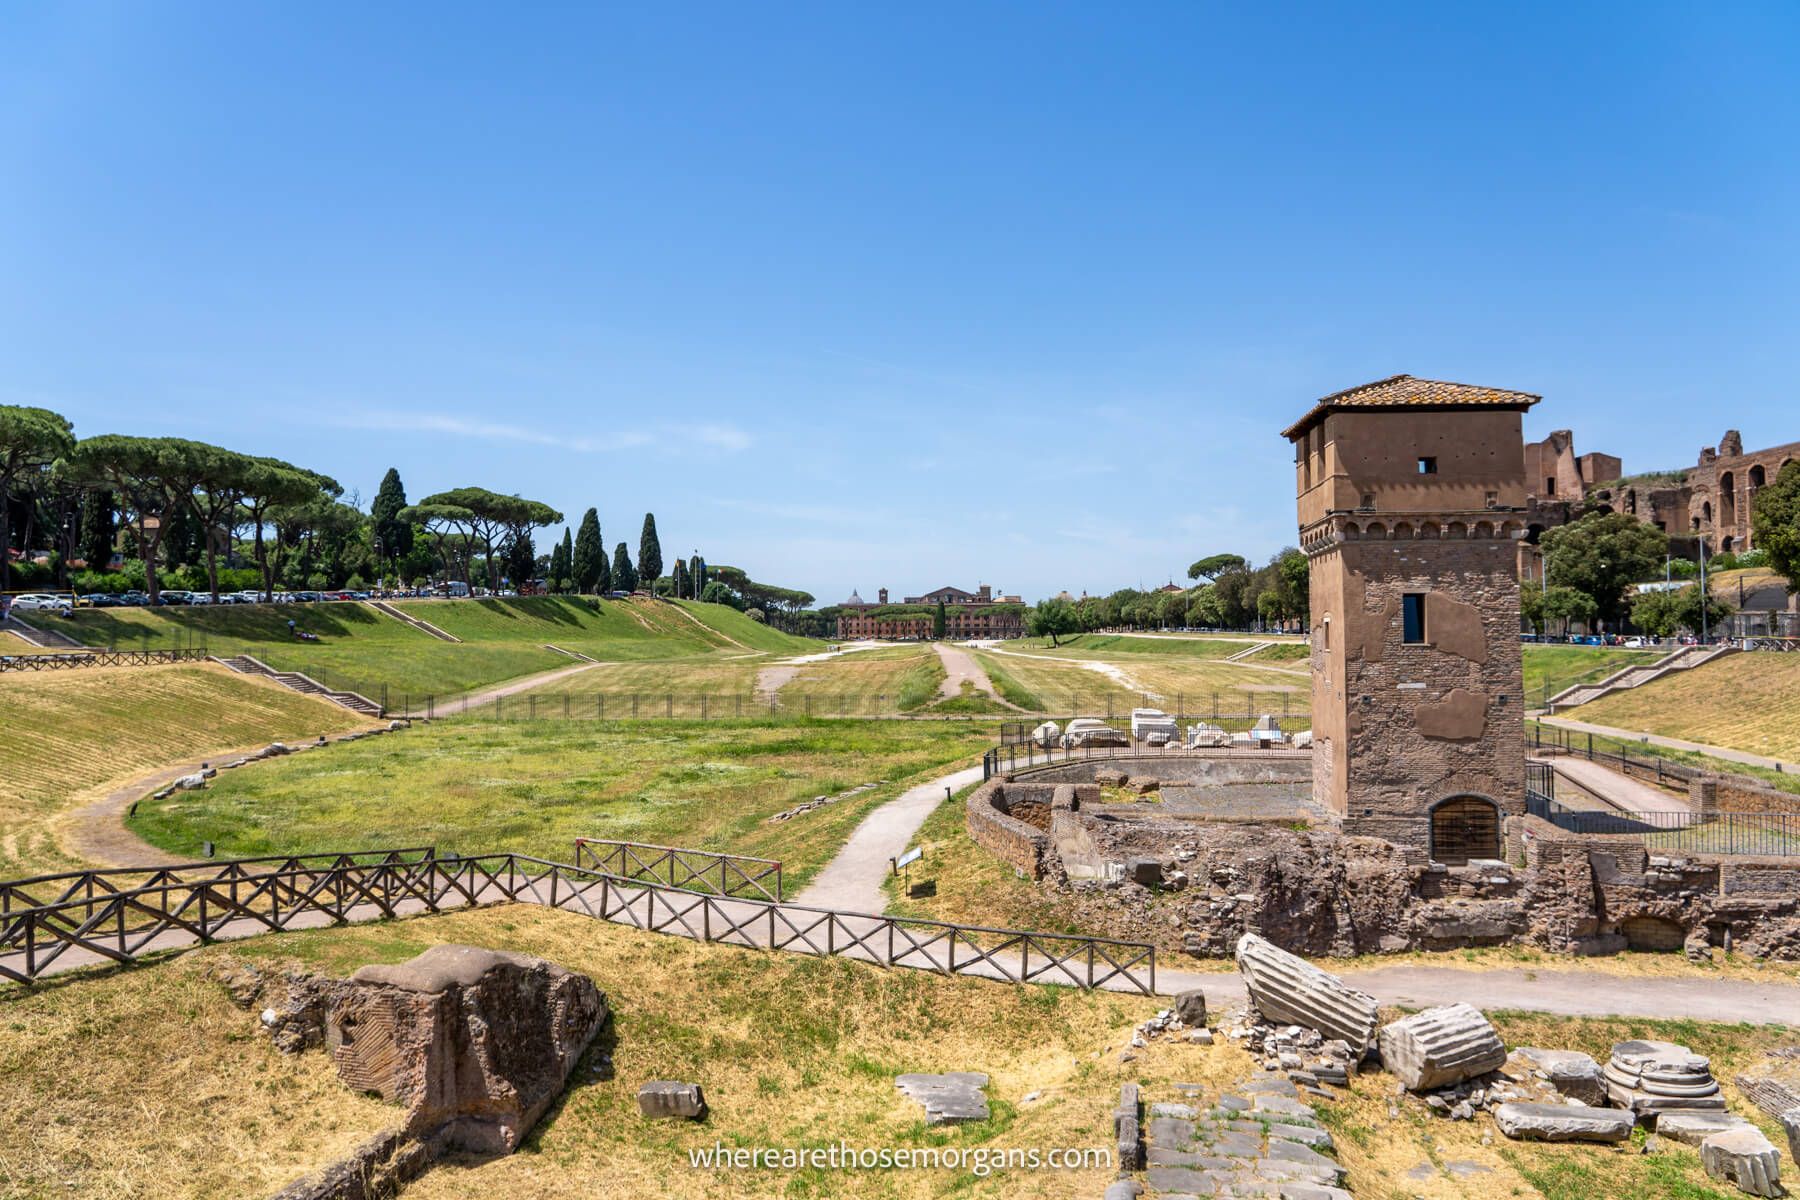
x,y
103,1095
363,650
1745,702
1552,669
1052,681
70,737
478,786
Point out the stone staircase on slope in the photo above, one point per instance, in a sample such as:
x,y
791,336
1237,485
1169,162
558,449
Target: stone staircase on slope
x,y
575,654
42,638
1684,659
294,681
1258,648
390,610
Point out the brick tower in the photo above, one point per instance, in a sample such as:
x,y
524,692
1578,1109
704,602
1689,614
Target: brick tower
x,y
1411,499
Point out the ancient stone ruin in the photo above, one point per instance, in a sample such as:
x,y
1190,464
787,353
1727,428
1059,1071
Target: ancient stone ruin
x,y
1440,1046
474,1044
1286,989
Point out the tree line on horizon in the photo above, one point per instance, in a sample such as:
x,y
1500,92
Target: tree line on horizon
x,y
120,512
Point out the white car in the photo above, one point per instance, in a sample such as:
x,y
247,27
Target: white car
x,y
43,602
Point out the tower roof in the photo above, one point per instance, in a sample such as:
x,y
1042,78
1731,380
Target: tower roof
x,y
1404,391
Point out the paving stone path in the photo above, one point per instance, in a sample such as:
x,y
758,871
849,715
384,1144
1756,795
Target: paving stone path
x,y
1263,1138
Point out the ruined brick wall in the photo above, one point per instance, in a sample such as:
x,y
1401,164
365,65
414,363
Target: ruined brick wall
x,y
993,828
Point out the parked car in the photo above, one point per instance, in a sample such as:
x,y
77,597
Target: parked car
x,y
172,596
61,606
133,598
102,600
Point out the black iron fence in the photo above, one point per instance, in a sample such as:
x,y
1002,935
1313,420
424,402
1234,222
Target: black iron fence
x,y
121,915
1745,834
1028,755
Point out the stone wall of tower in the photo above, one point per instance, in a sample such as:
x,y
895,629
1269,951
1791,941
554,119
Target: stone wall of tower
x,y
1431,504
1401,727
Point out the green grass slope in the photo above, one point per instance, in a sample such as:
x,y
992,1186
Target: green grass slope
x,y
363,650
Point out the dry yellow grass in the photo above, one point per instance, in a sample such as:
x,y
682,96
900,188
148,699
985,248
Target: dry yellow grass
x,y
1742,702
69,737
792,1051
102,1094
1063,685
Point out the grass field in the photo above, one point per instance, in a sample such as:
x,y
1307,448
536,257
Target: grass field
x,y
1742,702
360,649
68,737
893,679
103,1095
472,785
1048,681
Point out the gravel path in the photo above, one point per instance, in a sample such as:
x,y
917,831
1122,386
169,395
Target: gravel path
x,y
851,882
461,704
1621,792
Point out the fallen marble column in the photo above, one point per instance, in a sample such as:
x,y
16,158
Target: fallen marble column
x,y
1563,1123
1744,1157
1441,1046
1288,990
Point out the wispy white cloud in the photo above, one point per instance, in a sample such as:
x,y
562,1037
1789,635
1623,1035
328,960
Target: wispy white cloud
x,y
724,438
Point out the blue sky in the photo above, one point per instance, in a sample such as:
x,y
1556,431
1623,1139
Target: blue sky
x,y
855,296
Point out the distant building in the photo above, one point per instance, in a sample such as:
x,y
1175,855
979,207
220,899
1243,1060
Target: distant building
x,y
977,614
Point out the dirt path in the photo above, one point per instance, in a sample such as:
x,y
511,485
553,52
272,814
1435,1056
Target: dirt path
x,y
1110,670
460,704
772,678
1633,735
961,667
851,882
704,626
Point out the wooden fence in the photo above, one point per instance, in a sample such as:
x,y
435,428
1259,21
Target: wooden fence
x,y
75,660
121,915
676,867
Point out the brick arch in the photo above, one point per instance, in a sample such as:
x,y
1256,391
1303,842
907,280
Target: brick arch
x,y
1728,499
1375,530
1403,531
1464,826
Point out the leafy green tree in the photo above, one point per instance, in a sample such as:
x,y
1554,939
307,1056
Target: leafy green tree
x,y
1215,565
154,478
1602,555
624,575
493,518
1664,613
587,564
518,559
1775,524
394,535
275,486
31,441
1054,618
719,593
1204,609
650,563
450,528
939,620
1559,604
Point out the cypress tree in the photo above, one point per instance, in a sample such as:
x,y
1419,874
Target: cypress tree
x,y
97,529
680,576
624,575
587,563
939,621
564,571
649,562
394,534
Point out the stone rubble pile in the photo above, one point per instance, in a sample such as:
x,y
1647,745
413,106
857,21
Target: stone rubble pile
x,y
822,801
1286,989
1304,1057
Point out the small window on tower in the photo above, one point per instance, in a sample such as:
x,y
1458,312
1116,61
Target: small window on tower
x,y
1412,618
1428,466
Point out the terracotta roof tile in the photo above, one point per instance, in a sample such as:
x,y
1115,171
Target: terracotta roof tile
x,y
1404,391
